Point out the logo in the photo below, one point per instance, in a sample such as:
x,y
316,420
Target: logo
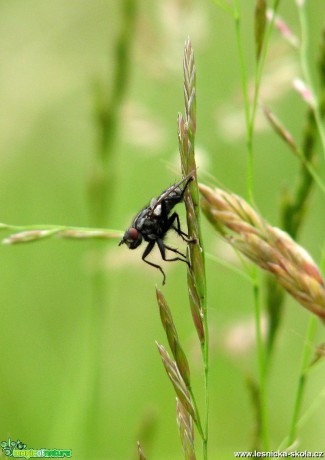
x,y
18,449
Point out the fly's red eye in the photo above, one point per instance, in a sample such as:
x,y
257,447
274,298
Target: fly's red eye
x,y
133,233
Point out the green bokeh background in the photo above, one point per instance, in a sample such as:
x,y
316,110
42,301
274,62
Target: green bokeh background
x,y
51,54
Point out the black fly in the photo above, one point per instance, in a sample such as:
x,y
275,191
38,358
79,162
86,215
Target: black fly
x,y
153,222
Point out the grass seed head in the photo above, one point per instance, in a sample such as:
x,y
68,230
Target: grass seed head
x,y
141,455
176,380
268,247
172,336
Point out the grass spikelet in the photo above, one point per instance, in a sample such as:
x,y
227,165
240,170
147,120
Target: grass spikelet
x,y
269,247
304,91
279,128
141,455
281,131
29,236
172,336
176,380
283,28
196,309
186,430
190,91
186,136
38,232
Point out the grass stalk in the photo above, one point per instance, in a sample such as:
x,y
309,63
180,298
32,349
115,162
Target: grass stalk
x,y
312,408
199,425
196,272
305,366
101,194
261,366
206,387
243,73
107,117
250,109
315,105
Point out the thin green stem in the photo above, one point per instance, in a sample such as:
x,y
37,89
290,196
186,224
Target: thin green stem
x,y
250,110
312,408
260,68
307,75
306,356
205,353
26,228
101,194
261,365
227,9
197,413
244,84
318,181
250,115
243,70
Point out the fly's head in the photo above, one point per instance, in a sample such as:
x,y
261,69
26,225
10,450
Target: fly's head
x,y
132,238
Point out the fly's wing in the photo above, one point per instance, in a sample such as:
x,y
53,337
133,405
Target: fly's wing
x,y
171,196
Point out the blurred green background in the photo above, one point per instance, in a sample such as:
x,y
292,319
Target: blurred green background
x,y
77,378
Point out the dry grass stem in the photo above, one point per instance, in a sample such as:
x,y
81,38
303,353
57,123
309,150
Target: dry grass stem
x,y
268,247
37,234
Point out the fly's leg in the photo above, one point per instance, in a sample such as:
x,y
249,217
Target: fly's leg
x,y
177,228
187,182
169,223
162,248
147,251
176,251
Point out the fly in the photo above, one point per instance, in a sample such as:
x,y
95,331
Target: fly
x,y
154,221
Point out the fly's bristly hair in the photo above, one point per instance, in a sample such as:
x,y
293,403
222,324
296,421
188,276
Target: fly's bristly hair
x,y
154,221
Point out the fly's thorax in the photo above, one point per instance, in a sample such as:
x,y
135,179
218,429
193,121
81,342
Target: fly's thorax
x,y
140,219
149,224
